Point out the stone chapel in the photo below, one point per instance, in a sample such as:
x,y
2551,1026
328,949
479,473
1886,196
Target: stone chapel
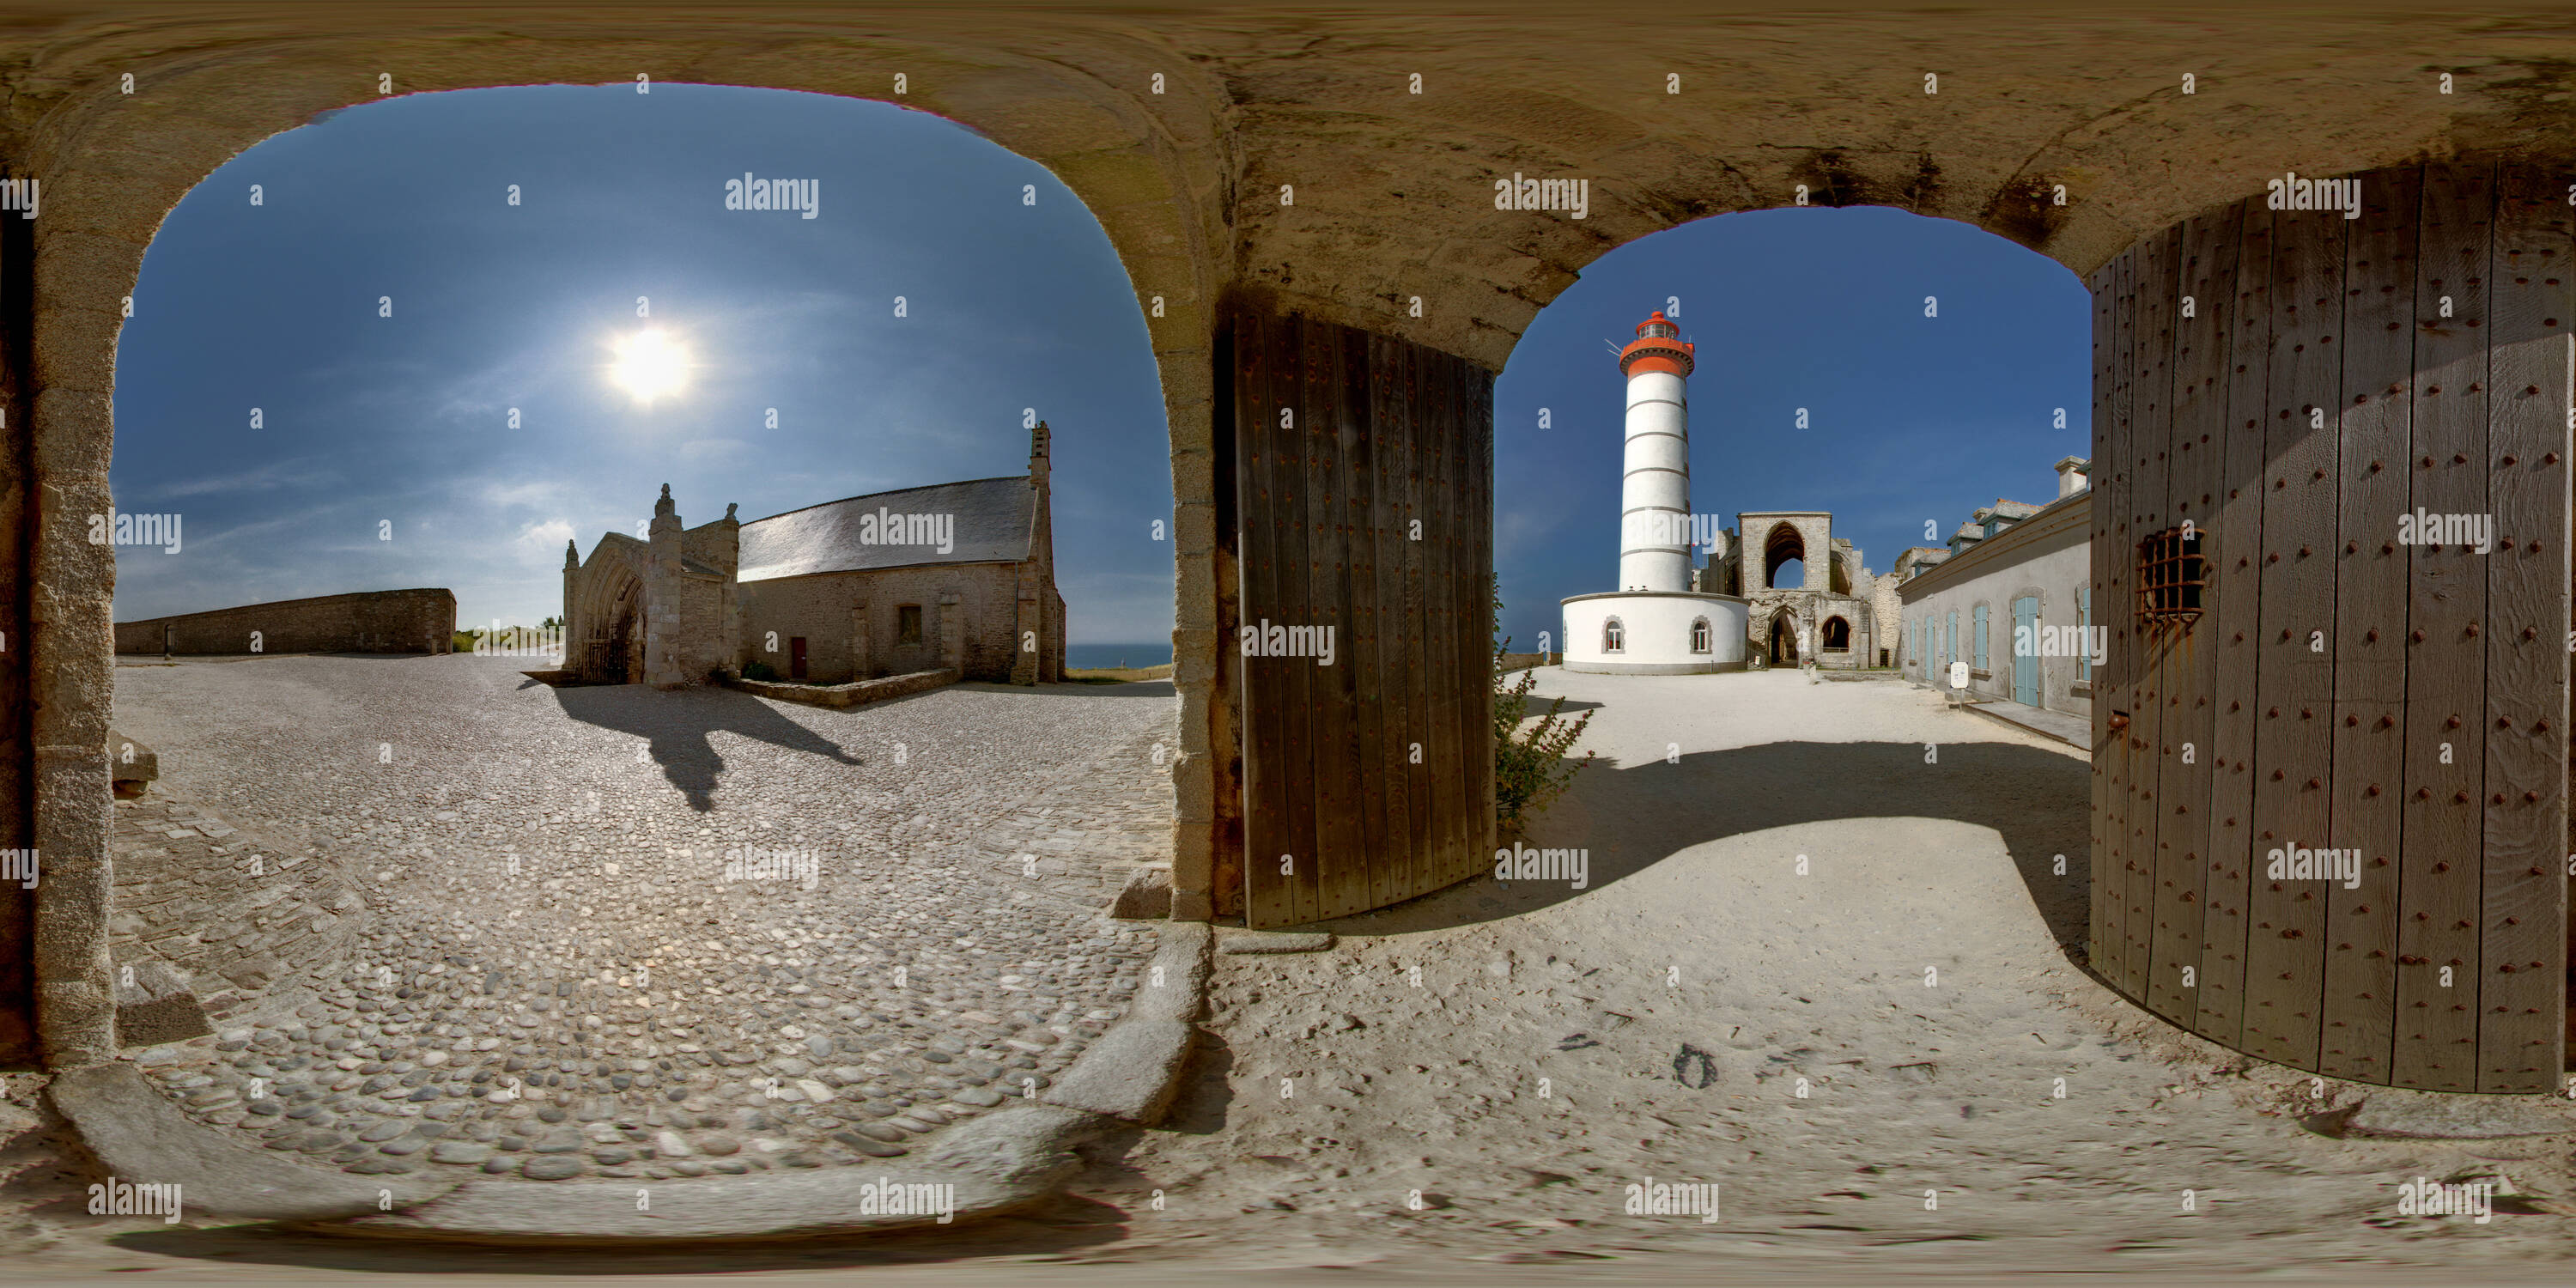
x,y
948,576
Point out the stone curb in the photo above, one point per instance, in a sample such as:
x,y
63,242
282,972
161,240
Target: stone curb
x,y
988,1166
858,693
145,1140
1132,1072
992,1164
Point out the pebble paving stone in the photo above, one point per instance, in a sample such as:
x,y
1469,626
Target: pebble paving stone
x,y
529,931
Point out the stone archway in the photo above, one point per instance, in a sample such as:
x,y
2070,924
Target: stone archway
x,y
1195,145
620,657
1781,546
1783,646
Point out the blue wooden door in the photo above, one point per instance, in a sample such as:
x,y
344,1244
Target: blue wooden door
x,y
2026,650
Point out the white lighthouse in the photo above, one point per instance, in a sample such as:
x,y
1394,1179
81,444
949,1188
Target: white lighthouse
x,y
1655,624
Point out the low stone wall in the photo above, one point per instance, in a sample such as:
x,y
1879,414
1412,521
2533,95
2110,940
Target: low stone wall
x,y
847,695
373,621
1527,661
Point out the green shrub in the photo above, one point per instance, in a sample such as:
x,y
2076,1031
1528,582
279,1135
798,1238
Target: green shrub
x,y
1530,766
758,670
463,641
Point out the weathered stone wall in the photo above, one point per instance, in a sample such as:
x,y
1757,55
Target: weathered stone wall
x,y
1890,616
1816,541
376,621
818,607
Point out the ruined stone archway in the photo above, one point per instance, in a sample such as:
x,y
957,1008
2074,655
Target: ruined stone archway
x,y
1781,546
1195,145
1783,647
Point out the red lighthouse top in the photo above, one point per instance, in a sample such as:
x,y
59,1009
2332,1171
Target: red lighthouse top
x,y
1658,347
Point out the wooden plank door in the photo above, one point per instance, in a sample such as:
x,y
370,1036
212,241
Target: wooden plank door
x,y
2340,791
1363,526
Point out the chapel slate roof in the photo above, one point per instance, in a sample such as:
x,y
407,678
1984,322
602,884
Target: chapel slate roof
x,y
991,525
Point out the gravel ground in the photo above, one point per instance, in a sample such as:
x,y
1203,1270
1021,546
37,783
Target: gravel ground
x,y
610,931
1865,1054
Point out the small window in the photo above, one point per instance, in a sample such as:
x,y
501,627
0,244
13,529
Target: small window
x,y
907,624
1699,636
1837,635
2169,579
1614,637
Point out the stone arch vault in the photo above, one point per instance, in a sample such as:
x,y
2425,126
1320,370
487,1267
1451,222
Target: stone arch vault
x,y
1253,160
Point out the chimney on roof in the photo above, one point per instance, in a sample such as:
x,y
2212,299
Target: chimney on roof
x,y
2074,474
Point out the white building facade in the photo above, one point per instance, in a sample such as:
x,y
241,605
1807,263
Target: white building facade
x,y
2017,607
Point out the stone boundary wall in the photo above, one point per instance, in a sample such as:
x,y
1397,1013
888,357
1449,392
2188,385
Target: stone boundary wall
x,y
369,621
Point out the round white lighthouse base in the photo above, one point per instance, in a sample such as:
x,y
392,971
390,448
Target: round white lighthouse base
x,y
1655,628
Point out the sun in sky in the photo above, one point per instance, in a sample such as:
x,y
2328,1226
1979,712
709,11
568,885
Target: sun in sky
x,y
649,365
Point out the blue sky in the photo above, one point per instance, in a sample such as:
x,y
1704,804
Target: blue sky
x,y
1010,306
404,420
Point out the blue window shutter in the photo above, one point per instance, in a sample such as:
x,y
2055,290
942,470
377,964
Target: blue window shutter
x,y
2084,600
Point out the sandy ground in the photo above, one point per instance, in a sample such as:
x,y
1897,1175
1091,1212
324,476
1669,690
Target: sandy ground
x,y
1657,1025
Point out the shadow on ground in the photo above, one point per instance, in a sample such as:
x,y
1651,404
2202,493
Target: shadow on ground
x,y
677,723
1634,817
1060,1226
1084,689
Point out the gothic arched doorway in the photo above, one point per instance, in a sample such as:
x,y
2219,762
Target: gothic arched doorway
x,y
1784,640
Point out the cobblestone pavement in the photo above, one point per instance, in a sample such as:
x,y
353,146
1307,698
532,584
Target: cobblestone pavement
x,y
610,931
